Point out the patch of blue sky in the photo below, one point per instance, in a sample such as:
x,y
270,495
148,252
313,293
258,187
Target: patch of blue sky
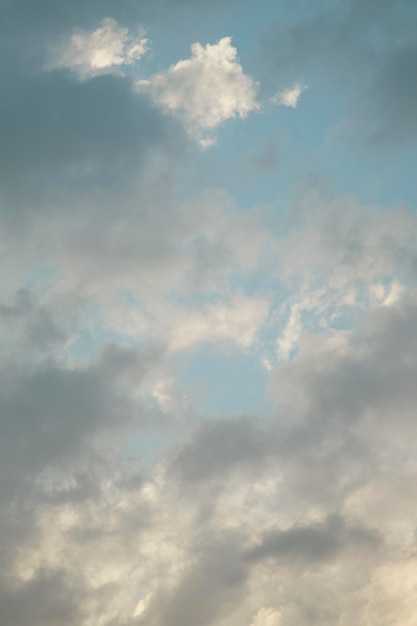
x,y
225,382
40,278
241,20
235,382
240,144
299,135
313,138
144,449
375,176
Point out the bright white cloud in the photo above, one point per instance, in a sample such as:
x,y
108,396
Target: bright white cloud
x,y
207,89
92,52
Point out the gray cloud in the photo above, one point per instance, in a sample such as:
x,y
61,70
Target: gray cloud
x,y
306,545
48,599
218,541
60,134
222,446
50,410
375,374
208,590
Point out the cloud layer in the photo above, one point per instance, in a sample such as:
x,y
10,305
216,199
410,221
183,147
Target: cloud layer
x,y
134,264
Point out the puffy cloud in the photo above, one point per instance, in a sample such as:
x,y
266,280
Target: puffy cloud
x,y
107,47
206,89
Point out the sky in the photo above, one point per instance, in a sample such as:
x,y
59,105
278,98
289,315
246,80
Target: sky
x,y
208,313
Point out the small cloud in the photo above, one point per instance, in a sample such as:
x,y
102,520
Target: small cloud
x,y
289,97
93,52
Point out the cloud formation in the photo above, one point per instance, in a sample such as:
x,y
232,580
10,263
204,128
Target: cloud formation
x,y
107,47
128,254
207,89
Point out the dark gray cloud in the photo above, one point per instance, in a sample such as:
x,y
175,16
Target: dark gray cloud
x,y
50,411
376,374
208,590
47,415
63,138
219,447
32,323
308,545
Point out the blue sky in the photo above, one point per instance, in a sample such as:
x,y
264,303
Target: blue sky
x,y
208,313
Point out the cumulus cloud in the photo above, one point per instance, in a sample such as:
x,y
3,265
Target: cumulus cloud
x,y
98,51
206,89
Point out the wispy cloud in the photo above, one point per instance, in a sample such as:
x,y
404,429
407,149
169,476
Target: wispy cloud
x,y
289,97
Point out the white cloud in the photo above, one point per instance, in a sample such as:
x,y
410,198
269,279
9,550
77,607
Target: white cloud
x,y
289,97
207,89
92,52
238,322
